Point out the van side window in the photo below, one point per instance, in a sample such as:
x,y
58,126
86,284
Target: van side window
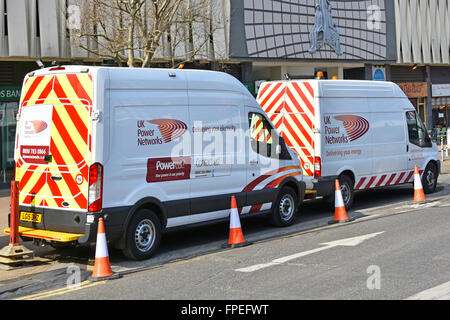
x,y
416,130
260,134
265,140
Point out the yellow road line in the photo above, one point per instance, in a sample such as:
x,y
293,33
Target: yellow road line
x,y
60,291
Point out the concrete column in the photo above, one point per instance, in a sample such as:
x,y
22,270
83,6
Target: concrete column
x,y
335,71
247,72
429,102
368,72
388,72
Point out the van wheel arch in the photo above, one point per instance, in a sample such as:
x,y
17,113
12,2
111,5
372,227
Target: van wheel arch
x,y
149,203
292,183
344,175
349,174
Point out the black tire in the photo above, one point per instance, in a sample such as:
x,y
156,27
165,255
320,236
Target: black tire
x,y
284,208
143,235
347,190
429,178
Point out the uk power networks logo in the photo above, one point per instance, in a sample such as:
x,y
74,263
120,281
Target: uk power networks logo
x,y
355,126
170,129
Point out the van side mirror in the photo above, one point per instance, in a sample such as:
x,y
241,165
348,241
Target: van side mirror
x,y
278,149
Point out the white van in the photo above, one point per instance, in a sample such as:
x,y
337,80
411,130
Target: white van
x,y
148,150
366,133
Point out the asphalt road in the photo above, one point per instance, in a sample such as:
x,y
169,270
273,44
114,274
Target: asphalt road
x,y
193,258
390,256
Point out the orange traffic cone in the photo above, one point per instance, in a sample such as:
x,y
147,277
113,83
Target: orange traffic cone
x,y
340,214
236,238
102,268
419,195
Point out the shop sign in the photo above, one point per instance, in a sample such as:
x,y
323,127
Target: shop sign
x,y
414,89
378,73
441,90
8,94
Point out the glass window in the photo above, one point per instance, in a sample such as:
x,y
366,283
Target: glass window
x,y
416,130
260,134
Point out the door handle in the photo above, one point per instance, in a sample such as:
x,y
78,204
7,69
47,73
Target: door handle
x,y
253,162
56,178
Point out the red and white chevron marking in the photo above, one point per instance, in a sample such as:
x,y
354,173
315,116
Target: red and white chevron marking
x,y
170,129
355,126
382,180
289,106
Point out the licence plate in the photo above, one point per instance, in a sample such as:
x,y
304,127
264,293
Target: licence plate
x,y
31,217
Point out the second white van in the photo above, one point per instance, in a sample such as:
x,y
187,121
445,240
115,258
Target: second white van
x,y
365,133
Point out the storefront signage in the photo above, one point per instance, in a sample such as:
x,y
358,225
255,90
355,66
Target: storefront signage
x,y
8,94
378,73
441,90
414,89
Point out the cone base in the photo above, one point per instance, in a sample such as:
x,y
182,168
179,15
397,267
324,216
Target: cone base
x,y
236,245
110,277
340,221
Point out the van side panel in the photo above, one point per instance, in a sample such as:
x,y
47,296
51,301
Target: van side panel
x,y
148,129
346,136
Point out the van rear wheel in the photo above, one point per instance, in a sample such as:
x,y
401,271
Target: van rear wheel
x,y
347,191
143,235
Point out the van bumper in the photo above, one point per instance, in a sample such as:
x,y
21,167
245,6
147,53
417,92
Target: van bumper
x,y
68,223
324,185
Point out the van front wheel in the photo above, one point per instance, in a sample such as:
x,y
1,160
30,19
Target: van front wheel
x,y
143,235
284,208
429,178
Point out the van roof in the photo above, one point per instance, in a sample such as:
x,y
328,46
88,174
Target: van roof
x,y
354,88
148,78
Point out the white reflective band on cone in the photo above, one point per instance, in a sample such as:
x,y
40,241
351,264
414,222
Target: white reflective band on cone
x,y
101,249
234,219
338,201
417,182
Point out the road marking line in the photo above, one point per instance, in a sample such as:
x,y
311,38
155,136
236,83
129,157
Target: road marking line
x,y
440,292
55,292
349,242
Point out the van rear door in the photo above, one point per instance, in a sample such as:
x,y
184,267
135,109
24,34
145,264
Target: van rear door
x,y
53,144
290,107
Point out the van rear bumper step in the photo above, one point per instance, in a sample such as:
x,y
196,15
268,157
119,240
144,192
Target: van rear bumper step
x,y
46,234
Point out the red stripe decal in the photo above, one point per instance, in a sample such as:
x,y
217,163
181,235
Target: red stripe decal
x,y
361,181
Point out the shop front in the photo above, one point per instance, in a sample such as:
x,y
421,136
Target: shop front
x,y
417,93
441,112
9,106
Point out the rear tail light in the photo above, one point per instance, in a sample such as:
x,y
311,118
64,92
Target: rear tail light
x,y
95,193
317,167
